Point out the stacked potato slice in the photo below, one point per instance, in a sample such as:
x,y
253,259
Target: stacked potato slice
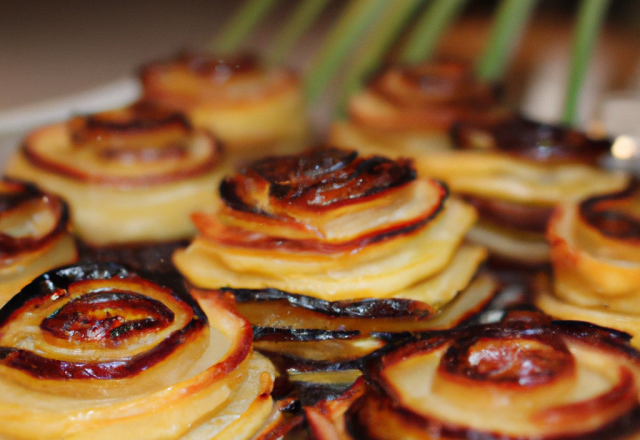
x,y
250,107
409,110
524,378
96,351
515,171
596,263
120,169
344,237
33,235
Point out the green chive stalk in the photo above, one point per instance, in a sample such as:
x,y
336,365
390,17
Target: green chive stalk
x,y
376,44
510,21
590,18
301,20
422,40
240,26
358,16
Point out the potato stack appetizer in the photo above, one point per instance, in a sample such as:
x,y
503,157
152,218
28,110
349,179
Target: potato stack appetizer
x,y
328,240
514,172
131,176
251,108
596,262
524,378
95,351
409,110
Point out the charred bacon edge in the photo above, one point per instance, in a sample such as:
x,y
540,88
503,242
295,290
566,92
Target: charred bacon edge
x,y
69,171
12,245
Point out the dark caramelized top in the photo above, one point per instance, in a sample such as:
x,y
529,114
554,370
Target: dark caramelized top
x,y
614,215
140,132
320,178
527,139
81,311
217,69
439,82
22,201
107,317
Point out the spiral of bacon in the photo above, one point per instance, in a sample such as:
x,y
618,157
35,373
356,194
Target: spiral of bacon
x,y
514,172
33,235
96,351
332,225
120,169
524,378
248,106
408,110
595,253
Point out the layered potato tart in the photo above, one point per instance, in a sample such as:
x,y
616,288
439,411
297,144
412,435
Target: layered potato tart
x,y
409,110
34,235
95,351
252,108
595,255
131,176
523,378
328,240
514,172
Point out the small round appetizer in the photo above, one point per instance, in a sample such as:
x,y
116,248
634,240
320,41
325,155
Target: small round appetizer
x,y
514,172
131,176
409,110
253,109
595,254
524,378
327,240
94,351
34,235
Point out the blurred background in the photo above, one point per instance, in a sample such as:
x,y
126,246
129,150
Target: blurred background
x,y
51,49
